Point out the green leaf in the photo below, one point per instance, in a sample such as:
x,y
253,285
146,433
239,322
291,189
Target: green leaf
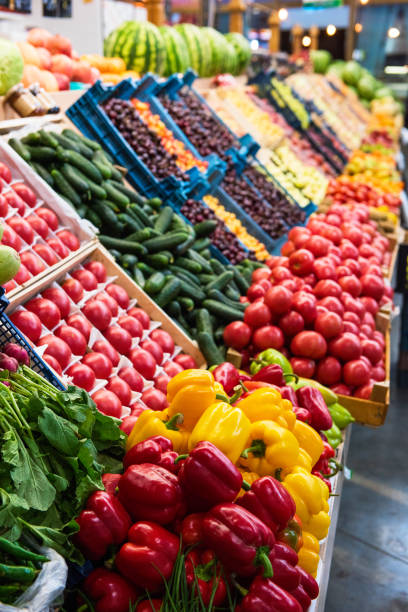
x,y
59,482
59,432
9,451
112,465
11,506
90,483
107,428
87,454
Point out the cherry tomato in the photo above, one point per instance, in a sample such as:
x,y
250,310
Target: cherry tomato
x,y
98,270
5,173
128,423
172,368
75,340
109,301
98,314
185,361
81,324
133,378
105,347
155,399
119,294
108,403
99,363
38,225
69,239
154,349
120,387
14,201
22,228
60,298
74,289
46,253
25,193
48,216
131,325
161,382
237,335
47,311
164,339
57,246
309,344
22,275
28,323
32,262
86,278
141,316
143,362
51,361
119,338
11,239
57,348
82,376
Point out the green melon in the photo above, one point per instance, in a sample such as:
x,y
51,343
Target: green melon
x,y
177,55
139,44
198,46
242,50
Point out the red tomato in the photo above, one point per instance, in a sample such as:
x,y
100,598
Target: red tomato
x,y
60,298
9,286
22,228
108,403
141,316
98,314
256,291
164,339
290,284
22,275
105,347
119,294
119,387
332,233
317,245
98,270
3,205
143,362
74,289
133,378
333,304
372,286
257,314
378,373
119,338
99,363
268,336
86,278
281,273
51,361
48,216
379,337
109,301
346,347
185,361
348,326
11,239
154,349
237,335
324,268
353,305
161,382
372,350
28,323
288,248
259,274
47,311
291,323
364,391
25,193
303,367
46,253
327,287
279,299
57,246
5,173
341,389
38,225
353,266
329,324
57,348
172,368
305,304
353,233
351,284
301,262
32,262
14,201
128,423
82,376
75,340
155,399
81,324
356,373
309,344
328,371
69,240
131,325
348,250
298,230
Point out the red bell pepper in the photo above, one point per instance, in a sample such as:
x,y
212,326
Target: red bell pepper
x,y
149,555
308,583
311,399
272,374
301,597
149,492
302,414
192,529
204,574
292,534
152,605
168,461
148,451
239,539
227,375
266,596
325,480
110,482
104,522
109,591
269,501
285,573
289,394
208,477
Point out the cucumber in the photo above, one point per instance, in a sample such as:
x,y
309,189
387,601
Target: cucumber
x,y
217,267
83,139
181,322
206,278
65,189
154,202
232,294
110,219
164,219
186,303
147,270
219,335
169,292
138,277
43,173
77,183
169,255
130,223
71,134
158,260
123,246
19,148
155,283
82,211
42,154
185,246
128,261
67,144
166,241
94,218
185,275
240,280
205,228
140,235
221,281
115,254
218,296
95,203
206,253
130,193
83,164
190,290
115,195
33,138
209,349
174,309
95,190
188,264
194,256
144,218
223,311
116,174
201,244
48,139
203,321
178,224
104,169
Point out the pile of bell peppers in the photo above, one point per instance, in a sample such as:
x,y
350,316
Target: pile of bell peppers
x,y
233,476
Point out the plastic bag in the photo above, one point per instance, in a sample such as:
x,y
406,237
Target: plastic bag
x,y
46,588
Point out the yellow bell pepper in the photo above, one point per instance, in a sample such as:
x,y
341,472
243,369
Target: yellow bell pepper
x,y
154,423
310,495
190,393
270,448
309,440
225,426
266,404
309,553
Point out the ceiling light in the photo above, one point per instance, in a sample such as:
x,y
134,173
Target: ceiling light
x,y
393,33
331,30
306,41
364,1
358,28
283,14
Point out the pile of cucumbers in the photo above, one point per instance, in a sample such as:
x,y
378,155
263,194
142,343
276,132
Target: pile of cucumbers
x,y
169,258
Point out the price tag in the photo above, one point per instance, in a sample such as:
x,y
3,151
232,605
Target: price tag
x,y
348,474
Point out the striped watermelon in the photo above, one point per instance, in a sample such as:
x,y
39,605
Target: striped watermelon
x,y
177,56
198,47
139,44
242,50
222,53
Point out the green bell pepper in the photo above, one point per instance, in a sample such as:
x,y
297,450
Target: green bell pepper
x,y
340,415
267,358
333,436
328,395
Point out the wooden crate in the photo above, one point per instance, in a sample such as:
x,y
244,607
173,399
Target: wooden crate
x,y
97,252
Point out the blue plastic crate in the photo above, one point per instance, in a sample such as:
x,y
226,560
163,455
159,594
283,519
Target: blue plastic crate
x,y
9,333
3,300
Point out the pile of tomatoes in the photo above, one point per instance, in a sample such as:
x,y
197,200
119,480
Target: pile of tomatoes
x,y
346,190
91,332
32,229
318,301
